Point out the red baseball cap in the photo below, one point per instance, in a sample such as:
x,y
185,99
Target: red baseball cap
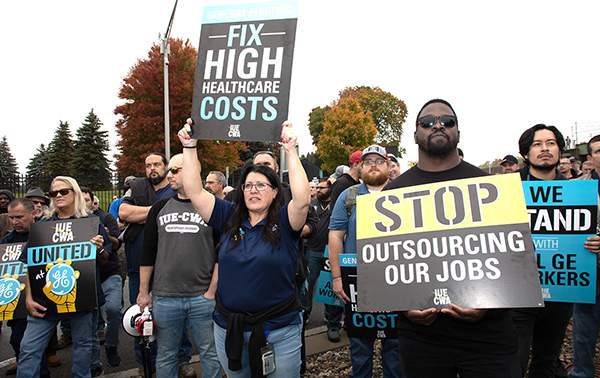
x,y
354,157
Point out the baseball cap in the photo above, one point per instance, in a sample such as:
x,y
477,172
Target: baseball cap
x,y
510,159
340,170
392,157
354,157
375,149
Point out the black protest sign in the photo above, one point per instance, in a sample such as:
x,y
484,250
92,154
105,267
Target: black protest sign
x,y
465,242
12,282
363,324
61,264
243,73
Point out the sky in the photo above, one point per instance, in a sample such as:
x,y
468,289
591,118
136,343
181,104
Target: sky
x,y
503,65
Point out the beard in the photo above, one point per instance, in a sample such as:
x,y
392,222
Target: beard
x,y
323,196
438,146
375,179
545,167
155,180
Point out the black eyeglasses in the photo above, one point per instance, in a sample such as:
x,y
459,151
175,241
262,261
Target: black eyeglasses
x,y
62,192
38,202
260,186
174,170
372,162
429,121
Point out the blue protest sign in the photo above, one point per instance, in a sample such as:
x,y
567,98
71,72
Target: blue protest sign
x,y
562,215
324,289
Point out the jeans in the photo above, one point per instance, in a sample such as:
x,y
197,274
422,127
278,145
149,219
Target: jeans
x,y
113,293
96,360
586,322
421,359
286,342
541,331
174,316
39,332
134,287
17,331
333,315
361,355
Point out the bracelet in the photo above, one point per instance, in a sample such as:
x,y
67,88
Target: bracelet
x,y
189,146
336,278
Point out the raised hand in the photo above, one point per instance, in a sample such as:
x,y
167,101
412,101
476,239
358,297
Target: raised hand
x,y
185,135
289,138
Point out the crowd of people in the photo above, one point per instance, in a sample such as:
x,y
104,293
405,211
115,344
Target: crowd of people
x,y
233,271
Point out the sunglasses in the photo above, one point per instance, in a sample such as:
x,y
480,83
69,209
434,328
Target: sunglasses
x,y
174,170
322,187
429,121
62,192
38,202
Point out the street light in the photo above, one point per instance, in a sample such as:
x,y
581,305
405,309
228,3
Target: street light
x,y
164,50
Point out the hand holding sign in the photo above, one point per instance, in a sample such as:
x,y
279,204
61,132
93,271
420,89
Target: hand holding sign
x,y
10,291
466,314
592,244
423,317
289,139
185,135
61,285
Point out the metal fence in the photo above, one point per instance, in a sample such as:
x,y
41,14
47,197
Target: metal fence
x,y
20,184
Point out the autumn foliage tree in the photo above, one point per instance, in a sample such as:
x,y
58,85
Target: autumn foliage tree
x,y
141,126
388,112
346,128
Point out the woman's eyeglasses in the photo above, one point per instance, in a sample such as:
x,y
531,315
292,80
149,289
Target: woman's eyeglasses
x,y
62,192
260,186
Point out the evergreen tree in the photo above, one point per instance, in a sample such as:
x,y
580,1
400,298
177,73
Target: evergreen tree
x,y
9,171
37,169
60,152
89,158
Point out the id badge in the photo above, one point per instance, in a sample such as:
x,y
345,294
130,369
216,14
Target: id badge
x,y
268,359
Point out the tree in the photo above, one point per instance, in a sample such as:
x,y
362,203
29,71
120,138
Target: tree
x,y
60,152
316,119
9,170
388,112
346,128
37,169
141,126
89,158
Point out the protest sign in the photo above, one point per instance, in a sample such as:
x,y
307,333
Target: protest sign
x,y
12,282
61,263
243,74
363,324
465,242
562,215
324,291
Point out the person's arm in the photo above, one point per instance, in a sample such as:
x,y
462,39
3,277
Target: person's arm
x,y
202,200
312,221
132,213
148,256
144,299
298,206
336,247
212,288
35,309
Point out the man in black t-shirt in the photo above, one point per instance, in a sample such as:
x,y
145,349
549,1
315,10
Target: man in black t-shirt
x,y
441,343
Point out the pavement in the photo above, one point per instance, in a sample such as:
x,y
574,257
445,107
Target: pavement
x,y
315,338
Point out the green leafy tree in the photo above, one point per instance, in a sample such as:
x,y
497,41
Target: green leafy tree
x,y
316,120
387,111
89,157
347,127
9,170
60,152
37,169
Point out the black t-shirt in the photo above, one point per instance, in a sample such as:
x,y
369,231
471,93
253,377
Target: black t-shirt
x,y
495,332
318,239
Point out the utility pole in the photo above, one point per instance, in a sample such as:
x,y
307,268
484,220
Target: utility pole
x,y
164,50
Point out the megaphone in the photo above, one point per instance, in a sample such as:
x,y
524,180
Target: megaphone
x,y
138,322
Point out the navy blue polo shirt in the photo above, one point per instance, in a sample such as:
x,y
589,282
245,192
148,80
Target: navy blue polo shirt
x,y
254,275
